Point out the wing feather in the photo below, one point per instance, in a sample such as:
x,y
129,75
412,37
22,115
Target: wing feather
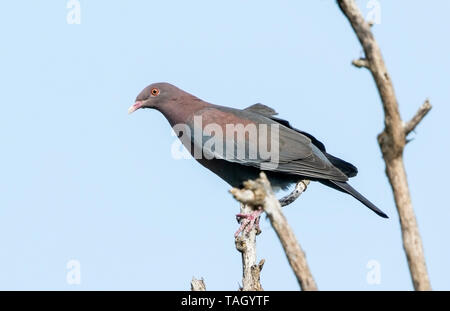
x,y
296,154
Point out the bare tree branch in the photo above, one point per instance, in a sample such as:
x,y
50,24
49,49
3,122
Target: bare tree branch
x,y
392,142
256,275
259,193
198,285
420,114
360,63
246,245
300,187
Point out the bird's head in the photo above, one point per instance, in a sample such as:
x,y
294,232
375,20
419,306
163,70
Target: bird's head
x,y
154,96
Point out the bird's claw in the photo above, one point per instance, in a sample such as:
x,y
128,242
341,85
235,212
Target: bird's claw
x,y
248,222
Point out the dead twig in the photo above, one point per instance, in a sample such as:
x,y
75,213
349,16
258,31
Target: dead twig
x,y
300,187
198,285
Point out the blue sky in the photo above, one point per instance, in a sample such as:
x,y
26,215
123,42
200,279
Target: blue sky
x,y
82,180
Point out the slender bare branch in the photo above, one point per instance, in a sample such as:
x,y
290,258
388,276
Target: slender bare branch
x,y
392,142
300,187
263,196
198,285
418,117
360,63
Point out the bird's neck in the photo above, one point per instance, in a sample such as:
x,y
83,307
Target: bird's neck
x,y
181,109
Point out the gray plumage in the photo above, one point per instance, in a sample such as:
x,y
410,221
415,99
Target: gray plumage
x,y
300,155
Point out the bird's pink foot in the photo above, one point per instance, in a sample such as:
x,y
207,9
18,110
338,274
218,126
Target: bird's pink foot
x,y
249,221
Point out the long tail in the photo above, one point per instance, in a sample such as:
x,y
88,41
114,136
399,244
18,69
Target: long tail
x,y
343,186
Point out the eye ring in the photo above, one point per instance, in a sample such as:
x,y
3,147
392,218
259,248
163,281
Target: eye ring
x,y
154,91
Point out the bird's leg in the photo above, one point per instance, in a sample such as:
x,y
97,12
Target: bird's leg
x,y
249,221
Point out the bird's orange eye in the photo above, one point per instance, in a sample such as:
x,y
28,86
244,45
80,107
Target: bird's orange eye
x,y
154,92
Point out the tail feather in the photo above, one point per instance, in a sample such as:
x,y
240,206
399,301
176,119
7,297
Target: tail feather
x,y
345,187
347,168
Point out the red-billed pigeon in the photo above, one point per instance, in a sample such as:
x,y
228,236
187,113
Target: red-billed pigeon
x,y
294,155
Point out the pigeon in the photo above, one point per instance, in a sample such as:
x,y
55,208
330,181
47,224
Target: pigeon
x,y
259,141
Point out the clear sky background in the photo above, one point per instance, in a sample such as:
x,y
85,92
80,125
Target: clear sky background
x,y
82,180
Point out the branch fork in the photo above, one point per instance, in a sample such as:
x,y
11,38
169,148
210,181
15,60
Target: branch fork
x,y
259,193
